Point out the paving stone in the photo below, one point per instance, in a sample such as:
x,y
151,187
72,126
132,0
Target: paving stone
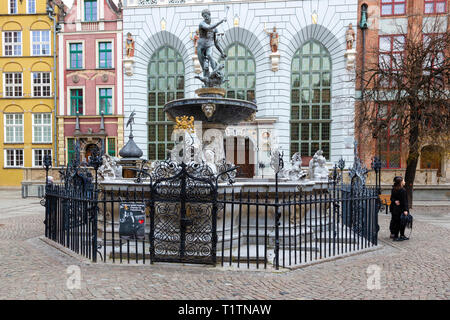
x,y
414,269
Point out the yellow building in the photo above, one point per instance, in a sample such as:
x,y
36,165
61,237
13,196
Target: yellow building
x,y
27,90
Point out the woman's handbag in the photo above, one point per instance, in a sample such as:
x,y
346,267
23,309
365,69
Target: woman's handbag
x,y
407,220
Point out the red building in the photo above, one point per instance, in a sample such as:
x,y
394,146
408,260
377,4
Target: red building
x,y
90,79
389,21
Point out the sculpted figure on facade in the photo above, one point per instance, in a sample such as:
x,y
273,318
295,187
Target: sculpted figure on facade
x,y
274,39
317,167
129,47
195,40
350,37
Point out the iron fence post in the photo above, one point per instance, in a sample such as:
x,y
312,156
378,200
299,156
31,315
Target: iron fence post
x,y
94,226
183,210
47,164
277,224
376,166
277,212
214,230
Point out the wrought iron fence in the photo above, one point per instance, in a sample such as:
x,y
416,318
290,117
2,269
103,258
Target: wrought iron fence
x,y
181,213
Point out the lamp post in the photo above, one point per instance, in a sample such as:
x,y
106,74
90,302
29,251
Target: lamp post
x,y
363,26
56,28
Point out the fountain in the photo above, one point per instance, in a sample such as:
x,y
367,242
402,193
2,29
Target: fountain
x,y
210,107
206,148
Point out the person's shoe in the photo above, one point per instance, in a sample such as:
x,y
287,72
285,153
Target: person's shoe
x,y
404,238
398,239
392,236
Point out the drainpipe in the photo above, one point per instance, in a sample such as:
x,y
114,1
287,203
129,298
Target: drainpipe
x,y
363,26
56,25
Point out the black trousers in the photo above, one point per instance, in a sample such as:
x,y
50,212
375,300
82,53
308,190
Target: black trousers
x,y
396,226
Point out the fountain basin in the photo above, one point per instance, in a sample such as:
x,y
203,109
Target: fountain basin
x,y
226,111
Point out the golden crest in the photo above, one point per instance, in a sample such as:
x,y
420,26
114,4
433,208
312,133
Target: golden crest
x,y
185,123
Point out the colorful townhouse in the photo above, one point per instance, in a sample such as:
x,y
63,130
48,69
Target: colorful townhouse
x,y
90,110
27,86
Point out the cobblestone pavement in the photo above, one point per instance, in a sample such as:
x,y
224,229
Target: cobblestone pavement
x,y
31,269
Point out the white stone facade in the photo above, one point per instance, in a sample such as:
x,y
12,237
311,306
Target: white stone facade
x,y
164,23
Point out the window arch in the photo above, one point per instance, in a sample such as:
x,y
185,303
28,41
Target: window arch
x,y
165,83
311,100
240,71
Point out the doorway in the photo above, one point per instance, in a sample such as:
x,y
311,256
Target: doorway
x,y
431,158
239,150
90,149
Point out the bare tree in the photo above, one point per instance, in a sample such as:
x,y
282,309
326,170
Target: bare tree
x,y
406,93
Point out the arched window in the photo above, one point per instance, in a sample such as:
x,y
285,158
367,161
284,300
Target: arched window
x,y
165,83
240,71
310,100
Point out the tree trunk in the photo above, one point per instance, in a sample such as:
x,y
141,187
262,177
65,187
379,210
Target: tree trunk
x,y
410,175
411,163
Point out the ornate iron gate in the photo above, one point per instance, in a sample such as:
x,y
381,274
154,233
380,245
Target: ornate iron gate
x,y
183,213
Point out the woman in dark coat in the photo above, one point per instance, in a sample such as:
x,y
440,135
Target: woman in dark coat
x,y
399,206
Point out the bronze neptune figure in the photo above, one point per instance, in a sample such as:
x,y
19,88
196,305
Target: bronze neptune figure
x,y
212,76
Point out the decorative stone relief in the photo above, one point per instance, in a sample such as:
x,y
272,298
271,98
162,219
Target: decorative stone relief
x,y
208,109
110,169
295,173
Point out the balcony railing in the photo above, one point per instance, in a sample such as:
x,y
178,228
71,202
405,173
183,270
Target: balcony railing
x,y
89,26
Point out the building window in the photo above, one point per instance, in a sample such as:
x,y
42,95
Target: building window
x,y
13,84
311,100
435,6
12,6
90,10
14,157
112,147
389,141
13,128
70,150
393,7
38,156
105,100
165,83
42,128
391,51
76,55
76,102
436,55
241,72
41,42
31,5
12,43
41,84
105,55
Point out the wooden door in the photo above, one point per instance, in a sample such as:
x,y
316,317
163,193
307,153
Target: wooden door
x,y
240,152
